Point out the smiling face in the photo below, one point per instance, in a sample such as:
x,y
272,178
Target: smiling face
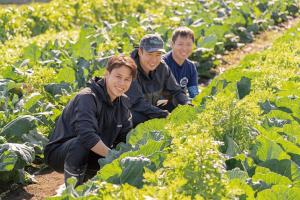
x,y
149,60
182,48
118,81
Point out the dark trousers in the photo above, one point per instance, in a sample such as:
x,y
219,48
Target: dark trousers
x,y
75,157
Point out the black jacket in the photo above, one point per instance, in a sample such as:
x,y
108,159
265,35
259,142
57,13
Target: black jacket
x,y
146,90
91,116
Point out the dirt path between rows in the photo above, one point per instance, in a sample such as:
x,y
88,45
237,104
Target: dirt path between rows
x,y
47,181
262,41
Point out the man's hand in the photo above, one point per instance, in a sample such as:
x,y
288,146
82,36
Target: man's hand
x,y
166,111
190,104
101,149
162,102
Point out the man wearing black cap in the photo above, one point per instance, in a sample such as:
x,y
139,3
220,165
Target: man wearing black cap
x,y
155,91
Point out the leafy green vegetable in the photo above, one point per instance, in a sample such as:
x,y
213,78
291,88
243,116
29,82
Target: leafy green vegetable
x,y
61,88
33,53
145,131
265,149
279,192
82,47
269,177
243,87
13,159
132,170
236,173
23,129
284,167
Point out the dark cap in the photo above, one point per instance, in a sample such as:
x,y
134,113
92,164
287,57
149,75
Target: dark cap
x,y
151,43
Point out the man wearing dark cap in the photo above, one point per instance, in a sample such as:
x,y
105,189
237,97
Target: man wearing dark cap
x,y
155,91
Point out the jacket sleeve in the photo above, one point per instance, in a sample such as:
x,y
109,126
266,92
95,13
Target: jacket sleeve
x,y
173,88
85,122
193,82
139,104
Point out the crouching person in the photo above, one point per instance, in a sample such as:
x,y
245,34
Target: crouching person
x,y
92,123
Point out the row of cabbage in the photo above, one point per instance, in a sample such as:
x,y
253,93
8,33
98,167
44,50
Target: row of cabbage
x,y
218,25
241,140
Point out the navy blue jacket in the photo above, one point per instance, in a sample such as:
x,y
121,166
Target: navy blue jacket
x,y
186,74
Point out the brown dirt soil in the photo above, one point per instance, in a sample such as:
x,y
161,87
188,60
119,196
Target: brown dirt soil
x,y
48,181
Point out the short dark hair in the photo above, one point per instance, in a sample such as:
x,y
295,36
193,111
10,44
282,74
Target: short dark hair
x,y
118,61
182,31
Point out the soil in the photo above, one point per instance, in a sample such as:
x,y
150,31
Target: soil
x,y
48,181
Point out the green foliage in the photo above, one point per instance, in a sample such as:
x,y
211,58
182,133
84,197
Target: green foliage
x,y
182,114
173,158
284,167
23,129
33,53
133,160
225,117
280,192
148,130
58,88
269,177
266,149
196,163
243,87
13,159
217,26
132,170
19,126
236,173
240,189
82,48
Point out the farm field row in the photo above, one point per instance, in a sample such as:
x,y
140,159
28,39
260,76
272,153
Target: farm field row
x,y
49,51
240,141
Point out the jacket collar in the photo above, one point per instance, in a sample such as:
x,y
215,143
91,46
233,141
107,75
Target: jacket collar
x,y
98,86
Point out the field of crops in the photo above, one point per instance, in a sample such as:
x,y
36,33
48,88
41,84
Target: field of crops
x,y
242,138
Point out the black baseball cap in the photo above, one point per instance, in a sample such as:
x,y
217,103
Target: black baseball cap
x,y
151,43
